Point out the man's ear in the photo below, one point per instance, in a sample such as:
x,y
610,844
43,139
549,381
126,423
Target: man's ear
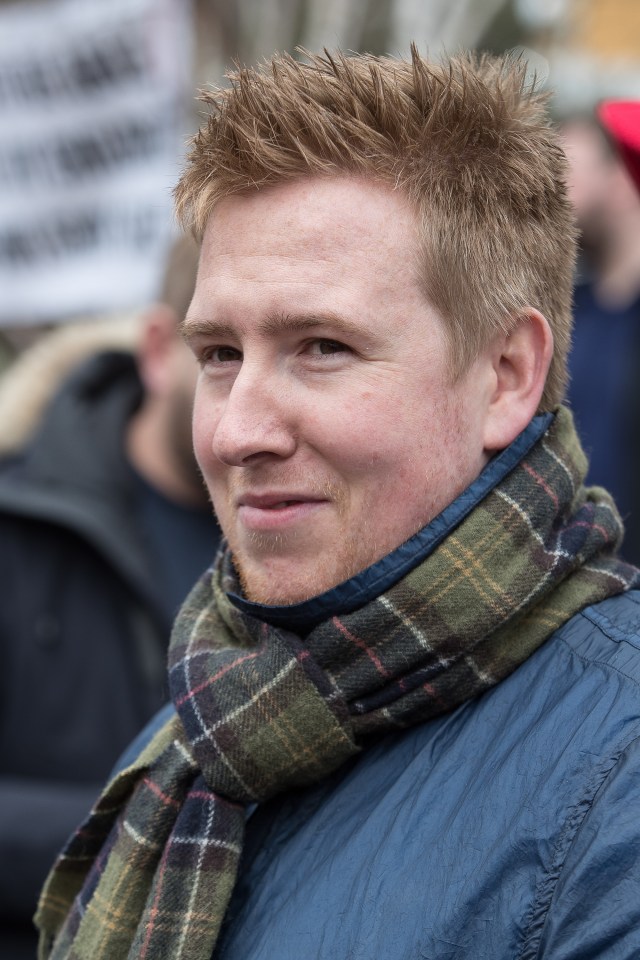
x,y
520,361
155,348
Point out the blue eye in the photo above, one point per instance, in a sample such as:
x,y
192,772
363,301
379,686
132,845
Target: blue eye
x,y
327,347
226,355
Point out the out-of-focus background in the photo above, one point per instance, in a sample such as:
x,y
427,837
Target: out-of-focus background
x,y
97,99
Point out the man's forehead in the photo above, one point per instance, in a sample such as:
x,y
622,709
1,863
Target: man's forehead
x,y
313,204
336,230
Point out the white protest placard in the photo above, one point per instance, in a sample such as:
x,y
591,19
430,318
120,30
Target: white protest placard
x,y
94,99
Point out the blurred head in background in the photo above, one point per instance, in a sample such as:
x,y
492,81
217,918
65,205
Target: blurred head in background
x,y
607,208
159,440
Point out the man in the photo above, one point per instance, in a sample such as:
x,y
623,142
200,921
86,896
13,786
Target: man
x,y
407,709
104,525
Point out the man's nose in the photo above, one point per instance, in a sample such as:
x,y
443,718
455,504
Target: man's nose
x,y
256,420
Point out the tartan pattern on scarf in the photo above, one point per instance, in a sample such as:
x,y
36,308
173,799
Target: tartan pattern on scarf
x,y
259,711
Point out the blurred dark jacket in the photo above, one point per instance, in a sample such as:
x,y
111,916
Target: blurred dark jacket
x,y
605,398
84,625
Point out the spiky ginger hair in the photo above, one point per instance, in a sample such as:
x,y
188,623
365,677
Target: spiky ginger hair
x,y
468,140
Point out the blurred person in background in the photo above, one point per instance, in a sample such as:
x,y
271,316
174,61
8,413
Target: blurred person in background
x,y
104,525
604,363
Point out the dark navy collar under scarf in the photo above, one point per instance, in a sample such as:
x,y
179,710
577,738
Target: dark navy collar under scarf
x,y
365,586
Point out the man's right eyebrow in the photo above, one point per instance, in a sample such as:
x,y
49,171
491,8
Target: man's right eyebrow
x,y
192,327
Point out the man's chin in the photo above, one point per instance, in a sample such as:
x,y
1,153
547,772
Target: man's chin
x,y
276,598
297,571
284,588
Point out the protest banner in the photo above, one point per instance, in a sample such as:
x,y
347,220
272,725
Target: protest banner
x,y
93,110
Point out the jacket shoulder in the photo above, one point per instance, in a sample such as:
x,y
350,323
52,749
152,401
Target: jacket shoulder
x,y
608,633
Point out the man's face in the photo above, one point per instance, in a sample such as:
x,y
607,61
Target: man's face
x,y
325,422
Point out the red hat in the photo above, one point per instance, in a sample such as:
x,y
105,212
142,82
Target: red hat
x,y
621,118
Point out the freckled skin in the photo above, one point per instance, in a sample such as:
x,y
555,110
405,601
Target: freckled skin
x,y
324,376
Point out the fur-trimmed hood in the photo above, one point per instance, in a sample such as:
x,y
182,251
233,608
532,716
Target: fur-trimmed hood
x,y
28,385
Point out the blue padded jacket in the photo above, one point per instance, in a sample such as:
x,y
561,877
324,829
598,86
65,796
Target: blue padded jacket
x,y
508,829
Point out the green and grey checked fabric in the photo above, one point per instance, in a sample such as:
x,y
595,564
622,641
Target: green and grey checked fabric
x,y
150,873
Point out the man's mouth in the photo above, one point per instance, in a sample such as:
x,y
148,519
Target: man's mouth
x,y
276,501
255,509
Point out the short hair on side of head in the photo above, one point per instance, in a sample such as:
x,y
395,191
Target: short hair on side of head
x,y
467,139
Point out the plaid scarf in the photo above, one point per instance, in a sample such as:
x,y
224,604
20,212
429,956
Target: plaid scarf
x,y
260,711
